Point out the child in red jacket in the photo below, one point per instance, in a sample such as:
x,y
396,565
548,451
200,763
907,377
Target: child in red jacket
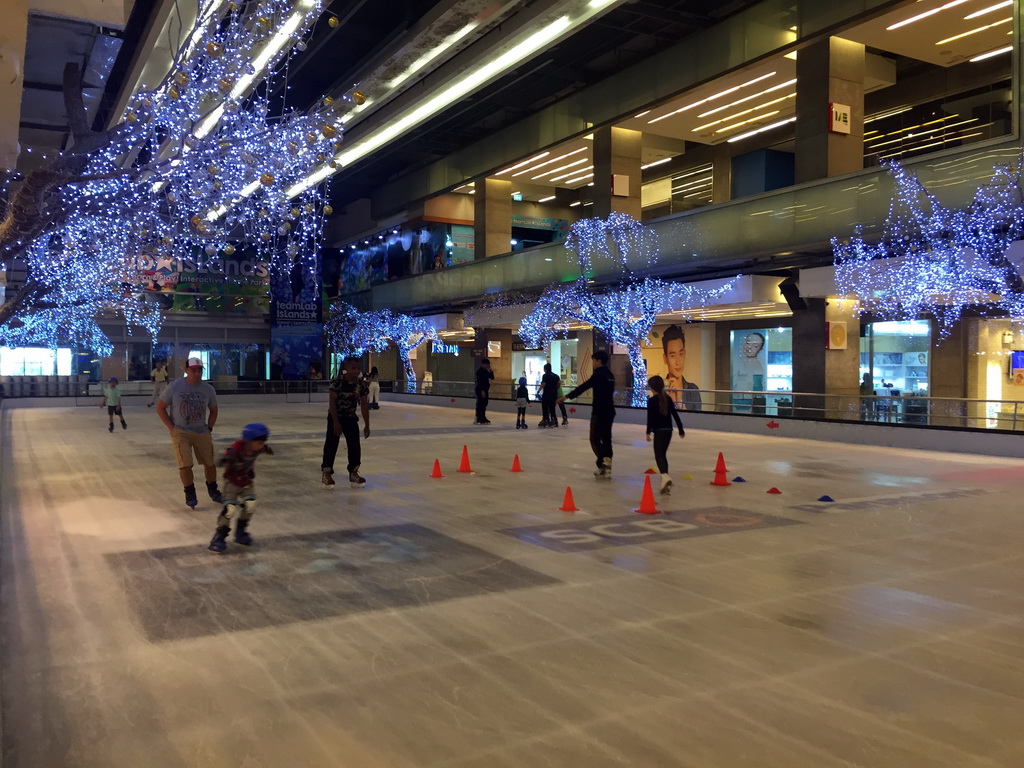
x,y
239,491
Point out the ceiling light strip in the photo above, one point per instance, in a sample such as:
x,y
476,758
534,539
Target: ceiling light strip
x,y
774,88
550,161
769,127
925,15
714,97
975,31
524,162
991,8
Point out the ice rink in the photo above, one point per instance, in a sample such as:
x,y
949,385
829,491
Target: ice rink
x,y
467,622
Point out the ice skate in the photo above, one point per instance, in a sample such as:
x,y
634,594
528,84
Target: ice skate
x,y
355,480
604,471
124,425
327,479
565,422
218,543
242,534
190,496
666,485
215,494
111,427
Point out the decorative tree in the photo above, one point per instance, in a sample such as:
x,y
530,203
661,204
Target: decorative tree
x,y
352,332
198,163
625,311
934,260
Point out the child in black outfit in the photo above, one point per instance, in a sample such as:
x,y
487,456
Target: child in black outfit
x,y
522,401
660,413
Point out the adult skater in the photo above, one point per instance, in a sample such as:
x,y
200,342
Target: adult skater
x,y
549,384
484,377
183,408
661,411
373,383
158,376
348,390
602,412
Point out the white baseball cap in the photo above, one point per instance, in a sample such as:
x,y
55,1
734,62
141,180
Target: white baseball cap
x,y
195,362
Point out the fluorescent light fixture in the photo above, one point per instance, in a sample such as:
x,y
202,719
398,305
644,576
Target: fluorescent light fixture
x,y
549,162
545,199
768,127
656,162
991,8
561,168
600,3
714,96
884,115
778,87
748,121
572,172
924,15
580,178
744,112
573,205
990,54
975,31
524,162
432,54
645,112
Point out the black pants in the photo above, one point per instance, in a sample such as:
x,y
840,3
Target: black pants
x,y
547,409
481,405
662,439
601,435
561,407
350,429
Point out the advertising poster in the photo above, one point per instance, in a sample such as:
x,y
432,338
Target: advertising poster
x,y
237,284
675,354
296,321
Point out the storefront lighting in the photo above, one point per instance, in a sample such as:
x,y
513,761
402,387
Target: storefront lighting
x,y
432,54
990,54
991,8
975,31
924,15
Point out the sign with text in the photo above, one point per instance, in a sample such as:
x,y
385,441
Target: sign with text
x,y
839,122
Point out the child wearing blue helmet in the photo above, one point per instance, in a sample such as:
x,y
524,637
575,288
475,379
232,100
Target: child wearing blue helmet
x,y
239,492
522,403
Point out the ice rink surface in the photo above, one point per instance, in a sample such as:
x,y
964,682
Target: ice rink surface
x,y
467,622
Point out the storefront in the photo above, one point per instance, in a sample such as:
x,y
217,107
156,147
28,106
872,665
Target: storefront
x,y
761,361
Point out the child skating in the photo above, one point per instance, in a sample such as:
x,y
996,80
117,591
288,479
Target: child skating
x,y
239,491
660,413
112,399
522,403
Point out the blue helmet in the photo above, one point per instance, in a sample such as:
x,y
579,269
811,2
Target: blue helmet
x,y
255,432
522,381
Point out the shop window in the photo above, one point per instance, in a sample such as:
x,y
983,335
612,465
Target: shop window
x,y
762,370
896,354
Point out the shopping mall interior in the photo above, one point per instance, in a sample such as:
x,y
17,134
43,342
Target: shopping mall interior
x,y
806,217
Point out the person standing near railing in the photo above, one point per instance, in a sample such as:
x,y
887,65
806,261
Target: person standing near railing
x,y
602,412
373,384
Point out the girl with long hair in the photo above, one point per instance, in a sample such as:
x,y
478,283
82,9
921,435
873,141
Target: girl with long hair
x,y
660,413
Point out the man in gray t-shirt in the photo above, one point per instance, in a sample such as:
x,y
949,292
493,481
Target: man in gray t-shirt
x,y
188,408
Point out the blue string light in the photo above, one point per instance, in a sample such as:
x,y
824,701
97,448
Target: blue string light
x,y
354,333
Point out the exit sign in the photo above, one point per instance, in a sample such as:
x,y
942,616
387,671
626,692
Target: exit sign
x,y
518,197
840,118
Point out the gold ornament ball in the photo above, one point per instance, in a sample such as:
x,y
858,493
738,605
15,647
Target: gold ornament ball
x,y
328,210
263,22
359,97
172,198
264,213
334,21
229,250
213,170
265,236
225,84
173,93
293,148
311,138
233,6
329,131
327,101
214,49
334,164
181,79
267,179
131,117
296,211
283,229
217,185
307,208
143,232
196,220
321,157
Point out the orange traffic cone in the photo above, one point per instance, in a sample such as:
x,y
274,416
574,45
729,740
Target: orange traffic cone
x,y
515,464
647,505
651,471
437,469
721,472
568,505
464,464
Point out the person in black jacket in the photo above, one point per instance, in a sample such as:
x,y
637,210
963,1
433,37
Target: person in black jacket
x,y
549,384
660,413
602,412
484,377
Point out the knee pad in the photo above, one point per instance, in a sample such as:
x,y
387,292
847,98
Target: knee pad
x,y
229,509
250,506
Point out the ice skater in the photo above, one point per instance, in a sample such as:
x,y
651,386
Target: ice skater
x,y
602,412
549,385
522,403
188,408
158,376
112,399
348,391
239,461
484,377
373,384
660,413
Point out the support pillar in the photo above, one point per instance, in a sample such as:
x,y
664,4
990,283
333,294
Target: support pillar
x,y
617,157
809,359
12,74
721,173
829,72
842,366
492,217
